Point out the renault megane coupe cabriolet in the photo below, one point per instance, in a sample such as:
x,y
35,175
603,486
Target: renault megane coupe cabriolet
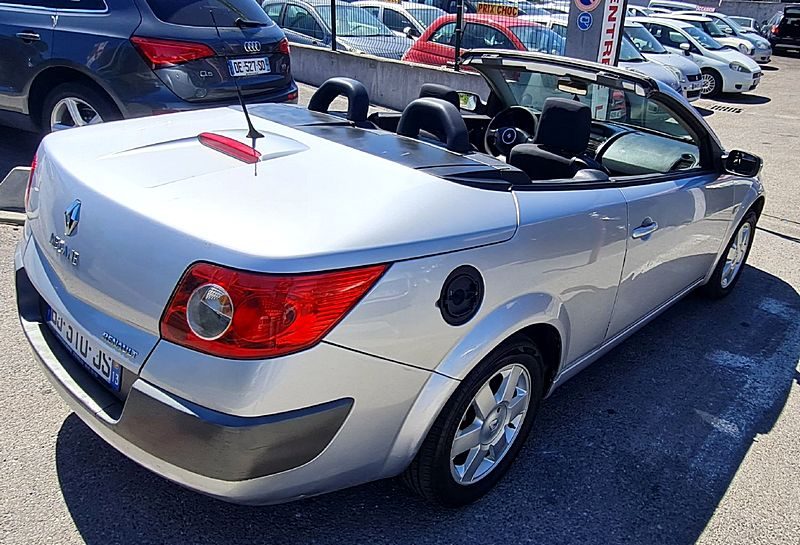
x,y
352,297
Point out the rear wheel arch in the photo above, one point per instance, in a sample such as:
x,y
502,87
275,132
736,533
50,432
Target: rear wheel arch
x,y
50,78
547,339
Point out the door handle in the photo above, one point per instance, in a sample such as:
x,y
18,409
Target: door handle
x,y
647,228
28,36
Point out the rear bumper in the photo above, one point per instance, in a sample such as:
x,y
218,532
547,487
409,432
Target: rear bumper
x,y
205,442
163,101
352,423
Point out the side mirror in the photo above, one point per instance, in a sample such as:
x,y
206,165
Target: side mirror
x,y
411,32
742,163
686,47
469,102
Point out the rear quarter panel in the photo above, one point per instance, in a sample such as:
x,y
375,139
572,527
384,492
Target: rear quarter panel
x,y
561,268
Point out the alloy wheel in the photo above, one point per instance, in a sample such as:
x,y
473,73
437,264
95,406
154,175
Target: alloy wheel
x,y
709,84
736,255
73,112
491,424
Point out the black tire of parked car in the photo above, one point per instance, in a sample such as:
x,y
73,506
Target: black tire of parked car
x,y
717,83
429,475
97,100
713,288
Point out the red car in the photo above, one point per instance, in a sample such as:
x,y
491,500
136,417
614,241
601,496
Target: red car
x,y
436,46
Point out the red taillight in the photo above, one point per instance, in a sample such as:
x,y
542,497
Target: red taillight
x,y
30,183
283,46
272,315
163,53
776,30
230,147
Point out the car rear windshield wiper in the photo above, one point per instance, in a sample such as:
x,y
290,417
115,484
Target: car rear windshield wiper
x,y
245,23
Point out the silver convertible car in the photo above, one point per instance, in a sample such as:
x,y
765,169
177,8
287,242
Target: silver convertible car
x,y
354,297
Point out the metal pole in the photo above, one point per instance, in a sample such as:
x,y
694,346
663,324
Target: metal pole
x,y
333,25
459,26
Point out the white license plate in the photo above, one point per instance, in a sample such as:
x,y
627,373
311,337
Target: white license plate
x,y
248,67
94,358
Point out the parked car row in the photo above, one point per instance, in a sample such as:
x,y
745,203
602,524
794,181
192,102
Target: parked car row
x,y
727,55
782,30
88,61
695,53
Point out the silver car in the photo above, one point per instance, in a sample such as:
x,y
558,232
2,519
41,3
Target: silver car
x,y
331,299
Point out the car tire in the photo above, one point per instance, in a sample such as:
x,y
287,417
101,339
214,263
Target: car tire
x,y
714,83
434,474
60,100
731,264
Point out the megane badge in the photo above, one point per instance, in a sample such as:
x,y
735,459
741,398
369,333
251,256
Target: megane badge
x,y
72,215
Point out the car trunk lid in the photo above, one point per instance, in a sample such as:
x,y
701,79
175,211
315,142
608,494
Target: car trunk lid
x,y
154,200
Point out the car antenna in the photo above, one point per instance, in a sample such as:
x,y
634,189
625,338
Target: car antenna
x,y
252,132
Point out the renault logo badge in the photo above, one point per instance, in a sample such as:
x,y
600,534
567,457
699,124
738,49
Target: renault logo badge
x,y
72,215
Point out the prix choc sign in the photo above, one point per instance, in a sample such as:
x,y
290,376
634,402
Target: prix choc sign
x,y
486,8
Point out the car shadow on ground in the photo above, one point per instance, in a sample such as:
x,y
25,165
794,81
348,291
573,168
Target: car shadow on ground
x,y
768,68
638,448
705,112
742,98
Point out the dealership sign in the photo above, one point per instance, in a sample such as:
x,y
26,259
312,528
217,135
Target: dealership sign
x,y
611,30
594,30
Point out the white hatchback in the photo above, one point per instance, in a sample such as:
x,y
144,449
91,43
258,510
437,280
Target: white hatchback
x,y
725,70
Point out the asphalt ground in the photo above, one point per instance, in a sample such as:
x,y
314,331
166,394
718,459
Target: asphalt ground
x,y
688,432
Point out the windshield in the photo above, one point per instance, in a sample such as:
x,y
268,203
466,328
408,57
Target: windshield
x,y
643,40
740,22
709,28
353,22
705,40
425,16
628,52
727,24
537,38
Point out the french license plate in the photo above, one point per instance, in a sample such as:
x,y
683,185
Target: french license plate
x,y
94,358
248,67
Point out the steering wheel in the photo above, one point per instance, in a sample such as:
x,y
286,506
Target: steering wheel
x,y
514,125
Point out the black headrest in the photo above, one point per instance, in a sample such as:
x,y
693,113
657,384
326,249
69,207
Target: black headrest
x,y
356,93
438,117
434,90
564,125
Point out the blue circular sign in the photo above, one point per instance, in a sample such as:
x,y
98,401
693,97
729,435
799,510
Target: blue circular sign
x,y
584,21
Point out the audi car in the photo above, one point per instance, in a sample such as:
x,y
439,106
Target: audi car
x,y
271,306
82,62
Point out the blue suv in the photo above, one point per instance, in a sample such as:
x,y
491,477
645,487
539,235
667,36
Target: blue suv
x,y
68,63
